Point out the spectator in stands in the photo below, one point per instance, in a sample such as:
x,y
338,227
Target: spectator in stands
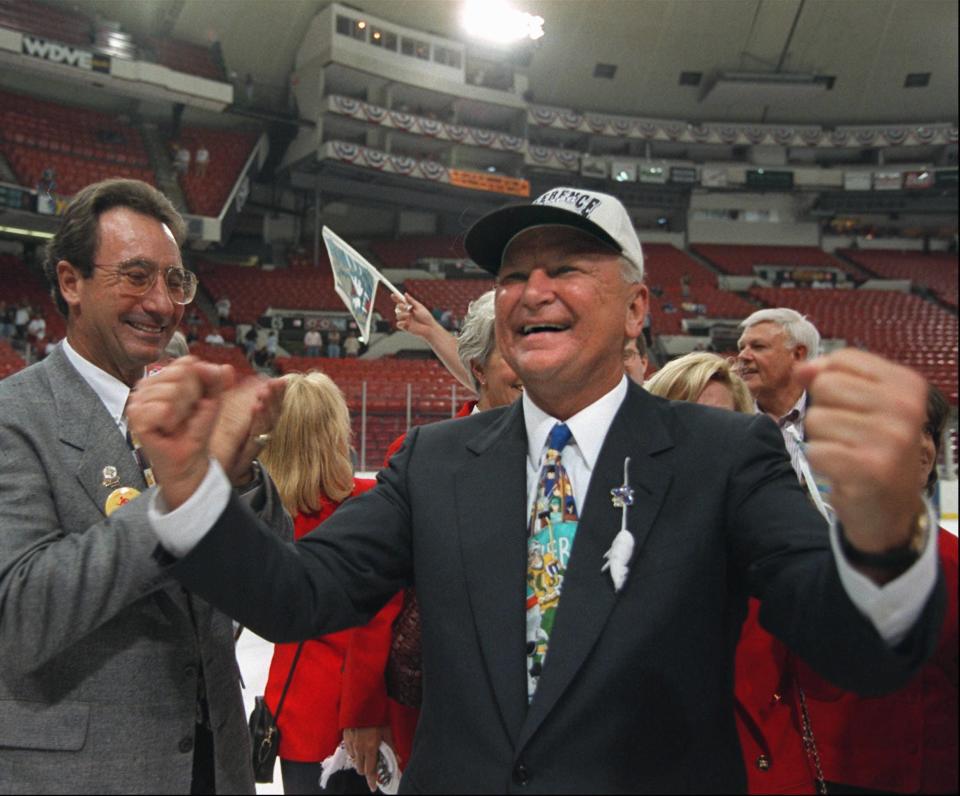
x,y
202,160
250,342
312,342
94,637
702,378
50,347
214,338
638,691
351,346
193,324
223,311
47,184
800,734
636,360
336,683
685,286
773,344
7,318
182,161
273,344
36,331
22,319
261,357
333,343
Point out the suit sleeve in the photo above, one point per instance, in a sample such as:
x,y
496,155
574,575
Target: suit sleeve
x,y
363,697
781,546
331,579
57,586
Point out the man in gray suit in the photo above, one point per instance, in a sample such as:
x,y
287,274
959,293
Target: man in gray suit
x,y
114,678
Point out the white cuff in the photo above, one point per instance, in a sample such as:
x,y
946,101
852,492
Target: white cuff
x,y
180,530
894,607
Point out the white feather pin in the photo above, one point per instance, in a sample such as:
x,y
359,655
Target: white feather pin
x,y
621,551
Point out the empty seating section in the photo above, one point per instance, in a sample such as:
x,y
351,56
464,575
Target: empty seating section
x,y
665,268
181,56
434,393
740,260
53,21
405,252
82,146
252,290
10,360
936,270
17,283
447,294
900,326
207,194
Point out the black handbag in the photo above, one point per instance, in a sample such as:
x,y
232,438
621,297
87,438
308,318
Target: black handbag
x,y
264,732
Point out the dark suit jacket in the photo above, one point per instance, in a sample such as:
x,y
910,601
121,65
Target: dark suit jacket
x,y
637,689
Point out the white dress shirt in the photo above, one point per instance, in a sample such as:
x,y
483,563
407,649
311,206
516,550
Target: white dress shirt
x,y
892,608
109,389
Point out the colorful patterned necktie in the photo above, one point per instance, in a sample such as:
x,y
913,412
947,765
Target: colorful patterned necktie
x,y
553,524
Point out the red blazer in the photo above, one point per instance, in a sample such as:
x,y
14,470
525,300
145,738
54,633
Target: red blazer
x,y
334,677
905,742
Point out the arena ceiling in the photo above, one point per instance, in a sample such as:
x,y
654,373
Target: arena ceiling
x,y
867,46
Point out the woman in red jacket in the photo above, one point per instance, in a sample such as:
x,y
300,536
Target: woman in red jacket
x,y
800,734
308,456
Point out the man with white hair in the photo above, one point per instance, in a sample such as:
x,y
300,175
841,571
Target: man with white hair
x,y
583,557
774,342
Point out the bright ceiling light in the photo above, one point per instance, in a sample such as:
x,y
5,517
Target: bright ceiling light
x,y
496,21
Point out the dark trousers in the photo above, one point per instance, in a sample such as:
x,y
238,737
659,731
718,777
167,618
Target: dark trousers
x,y
204,771
304,778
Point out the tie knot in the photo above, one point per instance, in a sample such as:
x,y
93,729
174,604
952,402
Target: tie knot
x,y
560,435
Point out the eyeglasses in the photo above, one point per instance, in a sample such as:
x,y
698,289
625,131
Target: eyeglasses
x,y
139,276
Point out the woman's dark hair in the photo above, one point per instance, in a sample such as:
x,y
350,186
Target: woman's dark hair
x,y
76,241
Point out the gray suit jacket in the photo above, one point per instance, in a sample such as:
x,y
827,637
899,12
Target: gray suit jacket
x,y
100,650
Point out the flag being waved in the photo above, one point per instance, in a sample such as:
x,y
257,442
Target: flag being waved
x,y
355,280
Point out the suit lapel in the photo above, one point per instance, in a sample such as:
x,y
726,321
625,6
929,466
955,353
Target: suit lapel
x,y
588,594
490,493
86,426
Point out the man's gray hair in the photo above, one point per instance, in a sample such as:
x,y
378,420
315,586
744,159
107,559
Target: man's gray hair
x,y
477,338
796,328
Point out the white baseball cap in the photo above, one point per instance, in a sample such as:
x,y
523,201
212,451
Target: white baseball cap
x,y
599,214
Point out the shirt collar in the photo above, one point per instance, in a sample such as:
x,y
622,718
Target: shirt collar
x,y
109,389
796,415
589,426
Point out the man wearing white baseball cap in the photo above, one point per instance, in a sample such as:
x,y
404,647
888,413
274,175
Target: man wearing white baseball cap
x,y
583,557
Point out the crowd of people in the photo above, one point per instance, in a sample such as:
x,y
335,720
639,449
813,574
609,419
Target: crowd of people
x,y
727,577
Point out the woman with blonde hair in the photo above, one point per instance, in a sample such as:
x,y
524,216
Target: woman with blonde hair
x,y
702,378
334,684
